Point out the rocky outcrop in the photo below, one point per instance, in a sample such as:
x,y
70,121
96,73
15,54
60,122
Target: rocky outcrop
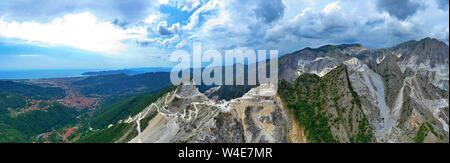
x,y
186,115
400,88
344,93
410,74
318,61
327,107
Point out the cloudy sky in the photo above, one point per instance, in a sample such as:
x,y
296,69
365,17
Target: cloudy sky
x,y
68,34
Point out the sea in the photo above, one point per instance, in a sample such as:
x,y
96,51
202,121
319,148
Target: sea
x,y
41,74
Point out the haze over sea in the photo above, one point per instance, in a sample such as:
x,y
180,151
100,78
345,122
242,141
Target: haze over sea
x,y
41,74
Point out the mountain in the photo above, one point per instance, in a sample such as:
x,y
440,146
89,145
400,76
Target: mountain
x,y
327,107
335,93
318,61
101,126
113,88
186,115
401,89
31,90
342,93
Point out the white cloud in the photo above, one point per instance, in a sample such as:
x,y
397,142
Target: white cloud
x,y
151,19
353,22
233,23
164,29
195,17
189,5
169,41
329,8
82,31
311,23
183,5
163,2
222,24
181,44
164,42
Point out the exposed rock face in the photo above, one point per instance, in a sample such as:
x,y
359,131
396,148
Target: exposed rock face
x,y
316,61
183,113
371,90
327,107
262,115
189,116
392,78
400,88
412,76
429,57
344,93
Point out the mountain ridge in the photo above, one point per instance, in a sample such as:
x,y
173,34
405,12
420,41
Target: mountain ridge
x,y
360,94
334,93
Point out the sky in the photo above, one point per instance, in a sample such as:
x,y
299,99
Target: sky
x,y
111,34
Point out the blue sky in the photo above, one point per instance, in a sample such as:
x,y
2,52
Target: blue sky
x,y
110,34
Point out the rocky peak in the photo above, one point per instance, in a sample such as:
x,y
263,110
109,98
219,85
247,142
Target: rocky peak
x,y
318,61
187,90
425,49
